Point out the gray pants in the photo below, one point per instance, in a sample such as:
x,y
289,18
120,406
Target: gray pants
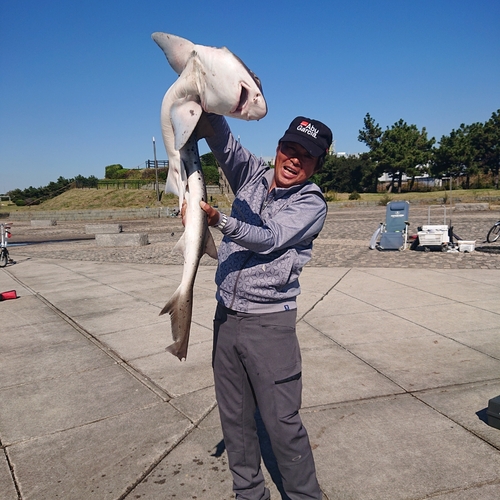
x,y
256,362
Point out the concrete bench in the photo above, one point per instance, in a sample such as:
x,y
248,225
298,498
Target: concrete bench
x,y
103,228
122,240
469,207
43,222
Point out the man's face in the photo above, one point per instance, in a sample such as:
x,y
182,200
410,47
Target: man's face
x,y
293,165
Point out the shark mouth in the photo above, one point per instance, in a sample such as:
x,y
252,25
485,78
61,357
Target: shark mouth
x,y
243,100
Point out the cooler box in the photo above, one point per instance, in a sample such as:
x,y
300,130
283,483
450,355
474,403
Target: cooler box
x,y
435,235
466,246
493,412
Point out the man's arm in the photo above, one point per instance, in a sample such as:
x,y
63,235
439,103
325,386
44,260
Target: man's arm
x,y
302,220
238,164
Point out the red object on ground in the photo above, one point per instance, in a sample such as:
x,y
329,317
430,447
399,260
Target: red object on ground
x,y
11,294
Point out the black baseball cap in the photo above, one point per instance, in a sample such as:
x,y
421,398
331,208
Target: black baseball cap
x,y
312,135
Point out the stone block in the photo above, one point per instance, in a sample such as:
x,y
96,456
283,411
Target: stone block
x,y
470,207
103,228
122,240
43,222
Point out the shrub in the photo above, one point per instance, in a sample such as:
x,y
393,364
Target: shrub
x,y
354,196
384,200
114,172
211,175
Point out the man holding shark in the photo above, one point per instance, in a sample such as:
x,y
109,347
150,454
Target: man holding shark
x,y
276,215
267,240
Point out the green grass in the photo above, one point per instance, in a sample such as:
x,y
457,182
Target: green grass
x,y
88,199
83,199
458,196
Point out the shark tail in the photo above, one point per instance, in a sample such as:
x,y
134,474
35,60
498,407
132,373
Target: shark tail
x,y
178,349
180,319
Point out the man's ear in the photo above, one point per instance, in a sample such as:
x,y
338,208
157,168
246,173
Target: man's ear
x,y
320,163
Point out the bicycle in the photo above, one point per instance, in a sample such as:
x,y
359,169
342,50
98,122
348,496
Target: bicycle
x,y
494,233
4,253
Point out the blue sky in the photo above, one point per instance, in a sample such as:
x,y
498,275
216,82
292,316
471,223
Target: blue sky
x,y
81,83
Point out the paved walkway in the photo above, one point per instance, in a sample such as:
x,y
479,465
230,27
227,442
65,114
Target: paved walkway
x,y
399,365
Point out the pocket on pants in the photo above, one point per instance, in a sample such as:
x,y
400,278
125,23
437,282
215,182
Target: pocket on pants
x,y
220,318
288,392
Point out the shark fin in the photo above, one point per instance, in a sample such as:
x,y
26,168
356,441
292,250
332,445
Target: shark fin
x,y
176,182
178,50
184,115
210,248
172,185
180,346
180,246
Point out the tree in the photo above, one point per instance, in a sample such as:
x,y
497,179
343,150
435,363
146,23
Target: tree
x,y
401,149
210,168
457,154
34,196
345,174
371,135
208,160
86,182
486,141
115,171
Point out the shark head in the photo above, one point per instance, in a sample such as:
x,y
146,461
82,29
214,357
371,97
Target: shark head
x,y
223,83
251,103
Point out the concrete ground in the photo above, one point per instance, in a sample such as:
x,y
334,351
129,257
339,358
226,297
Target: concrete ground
x,y
401,354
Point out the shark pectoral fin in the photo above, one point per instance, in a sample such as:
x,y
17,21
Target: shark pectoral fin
x,y
184,115
178,50
172,185
210,248
180,246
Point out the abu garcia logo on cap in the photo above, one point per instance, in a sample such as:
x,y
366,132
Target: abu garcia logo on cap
x,y
308,128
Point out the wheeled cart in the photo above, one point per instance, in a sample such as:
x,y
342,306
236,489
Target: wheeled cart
x,y
434,236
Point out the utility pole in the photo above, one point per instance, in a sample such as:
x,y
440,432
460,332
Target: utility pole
x,y
451,188
156,171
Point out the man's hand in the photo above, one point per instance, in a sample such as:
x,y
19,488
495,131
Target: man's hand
x,y
213,214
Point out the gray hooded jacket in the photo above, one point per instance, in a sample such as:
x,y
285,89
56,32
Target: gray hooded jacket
x,y
268,237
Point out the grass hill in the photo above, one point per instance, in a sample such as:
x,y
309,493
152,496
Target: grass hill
x,y
88,199
82,199
79,199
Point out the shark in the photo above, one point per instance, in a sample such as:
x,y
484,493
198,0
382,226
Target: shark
x,y
210,80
